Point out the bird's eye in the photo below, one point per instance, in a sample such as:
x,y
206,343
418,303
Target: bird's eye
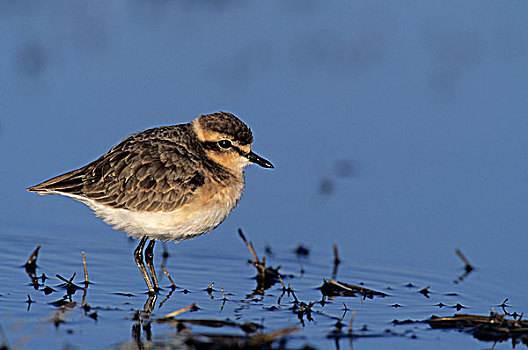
x,y
225,144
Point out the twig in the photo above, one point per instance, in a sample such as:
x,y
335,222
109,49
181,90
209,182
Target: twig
x,y
209,290
503,305
224,299
167,274
249,245
282,282
71,278
293,294
86,281
31,266
177,312
85,291
468,266
69,282
425,291
337,261
223,294
70,286
33,257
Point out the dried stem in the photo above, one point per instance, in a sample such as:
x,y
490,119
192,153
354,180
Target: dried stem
x,y
180,311
293,294
249,245
86,281
468,266
168,276
282,282
337,261
33,257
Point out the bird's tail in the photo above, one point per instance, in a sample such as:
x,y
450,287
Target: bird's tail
x,y
71,182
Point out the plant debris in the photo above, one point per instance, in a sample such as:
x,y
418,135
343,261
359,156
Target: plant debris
x,y
467,266
425,291
230,341
333,288
266,275
495,327
246,327
31,263
337,261
173,285
239,333
86,281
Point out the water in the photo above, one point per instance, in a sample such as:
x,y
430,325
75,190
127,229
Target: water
x,y
118,291
398,132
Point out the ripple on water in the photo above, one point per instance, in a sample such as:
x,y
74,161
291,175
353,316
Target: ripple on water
x,y
117,292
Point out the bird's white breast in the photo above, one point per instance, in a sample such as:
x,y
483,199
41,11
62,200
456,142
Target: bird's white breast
x,y
191,220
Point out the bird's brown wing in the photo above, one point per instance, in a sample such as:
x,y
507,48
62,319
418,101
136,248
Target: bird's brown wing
x,y
155,170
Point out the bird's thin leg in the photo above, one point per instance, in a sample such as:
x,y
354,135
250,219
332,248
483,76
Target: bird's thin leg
x,y
138,255
149,303
149,259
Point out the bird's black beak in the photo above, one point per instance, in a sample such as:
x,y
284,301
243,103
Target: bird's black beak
x,y
254,158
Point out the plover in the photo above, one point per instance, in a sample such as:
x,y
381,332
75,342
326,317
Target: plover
x,y
169,183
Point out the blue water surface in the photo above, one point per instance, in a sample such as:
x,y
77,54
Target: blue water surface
x,y
398,132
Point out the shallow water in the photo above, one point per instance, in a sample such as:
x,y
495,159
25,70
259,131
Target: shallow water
x,y
118,292
398,132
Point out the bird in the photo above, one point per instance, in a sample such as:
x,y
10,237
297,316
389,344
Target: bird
x,y
168,183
